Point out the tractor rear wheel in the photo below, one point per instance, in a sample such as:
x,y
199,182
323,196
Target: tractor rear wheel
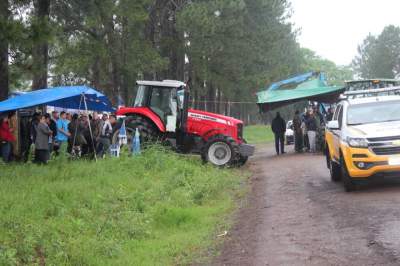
x,y
148,132
221,151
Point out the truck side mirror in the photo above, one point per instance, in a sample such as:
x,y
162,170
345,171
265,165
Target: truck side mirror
x,y
334,125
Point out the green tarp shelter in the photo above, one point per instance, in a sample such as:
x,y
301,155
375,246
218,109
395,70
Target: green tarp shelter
x,y
311,90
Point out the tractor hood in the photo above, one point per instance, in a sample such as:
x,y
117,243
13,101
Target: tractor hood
x,y
217,118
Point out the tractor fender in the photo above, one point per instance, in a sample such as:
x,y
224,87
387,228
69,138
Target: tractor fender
x,y
144,112
214,131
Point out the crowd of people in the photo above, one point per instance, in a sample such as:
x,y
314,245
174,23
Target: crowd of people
x,y
308,130
81,135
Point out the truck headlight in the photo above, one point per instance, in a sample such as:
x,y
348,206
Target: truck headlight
x,y
357,142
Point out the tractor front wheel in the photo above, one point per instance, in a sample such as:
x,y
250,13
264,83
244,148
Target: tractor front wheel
x,y
221,151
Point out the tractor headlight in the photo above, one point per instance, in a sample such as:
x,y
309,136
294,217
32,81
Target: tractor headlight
x,y
357,142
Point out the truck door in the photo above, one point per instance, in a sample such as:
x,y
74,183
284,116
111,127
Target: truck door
x,y
336,133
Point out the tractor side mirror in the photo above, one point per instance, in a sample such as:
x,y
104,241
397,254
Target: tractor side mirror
x,y
333,125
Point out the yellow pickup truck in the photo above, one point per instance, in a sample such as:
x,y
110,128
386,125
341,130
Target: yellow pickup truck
x,y
363,139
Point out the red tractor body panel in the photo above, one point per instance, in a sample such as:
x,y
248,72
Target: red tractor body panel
x,y
143,111
206,125
199,123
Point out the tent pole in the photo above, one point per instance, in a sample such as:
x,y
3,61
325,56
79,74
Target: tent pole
x,y
77,125
90,128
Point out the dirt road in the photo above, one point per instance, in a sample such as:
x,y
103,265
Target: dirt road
x,y
296,216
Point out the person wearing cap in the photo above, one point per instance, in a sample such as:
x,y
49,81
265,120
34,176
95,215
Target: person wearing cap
x,y
43,133
76,139
298,132
53,127
14,126
6,138
62,130
312,126
87,148
105,137
278,127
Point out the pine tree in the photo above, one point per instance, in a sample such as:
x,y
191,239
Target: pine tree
x,y
379,56
40,26
4,45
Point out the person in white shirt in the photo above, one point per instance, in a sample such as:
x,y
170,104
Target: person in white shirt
x,y
104,141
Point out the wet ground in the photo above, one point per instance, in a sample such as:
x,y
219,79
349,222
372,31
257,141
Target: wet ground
x,y
296,216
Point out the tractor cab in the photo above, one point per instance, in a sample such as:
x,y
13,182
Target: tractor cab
x,y
166,99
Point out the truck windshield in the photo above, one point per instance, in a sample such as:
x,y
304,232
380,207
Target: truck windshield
x,y
377,112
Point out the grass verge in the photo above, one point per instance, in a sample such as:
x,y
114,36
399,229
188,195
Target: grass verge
x,y
258,134
159,208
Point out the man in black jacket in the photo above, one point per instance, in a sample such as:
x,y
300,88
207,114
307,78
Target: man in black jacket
x,y
279,128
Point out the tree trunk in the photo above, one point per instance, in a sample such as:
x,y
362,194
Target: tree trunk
x,y
153,32
162,32
226,107
219,96
124,56
4,81
95,79
195,99
40,53
211,98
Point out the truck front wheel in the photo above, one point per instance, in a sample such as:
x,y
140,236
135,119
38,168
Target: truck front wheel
x,y
335,171
348,182
334,168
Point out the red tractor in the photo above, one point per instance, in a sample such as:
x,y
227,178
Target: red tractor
x,y
161,113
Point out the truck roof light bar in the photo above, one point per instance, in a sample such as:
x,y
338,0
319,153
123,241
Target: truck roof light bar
x,y
372,91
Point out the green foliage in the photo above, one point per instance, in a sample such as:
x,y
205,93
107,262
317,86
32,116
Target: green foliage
x,y
159,208
103,44
336,74
379,56
258,134
233,48
237,46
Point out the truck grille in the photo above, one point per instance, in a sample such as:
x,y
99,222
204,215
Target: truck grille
x,y
386,150
384,139
385,145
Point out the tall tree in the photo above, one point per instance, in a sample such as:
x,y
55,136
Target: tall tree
x,y
4,44
40,35
103,43
236,47
336,75
379,56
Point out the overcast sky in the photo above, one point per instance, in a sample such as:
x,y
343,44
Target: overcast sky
x,y
334,28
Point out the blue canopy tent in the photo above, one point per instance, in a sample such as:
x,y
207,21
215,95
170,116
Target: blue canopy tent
x,y
72,97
